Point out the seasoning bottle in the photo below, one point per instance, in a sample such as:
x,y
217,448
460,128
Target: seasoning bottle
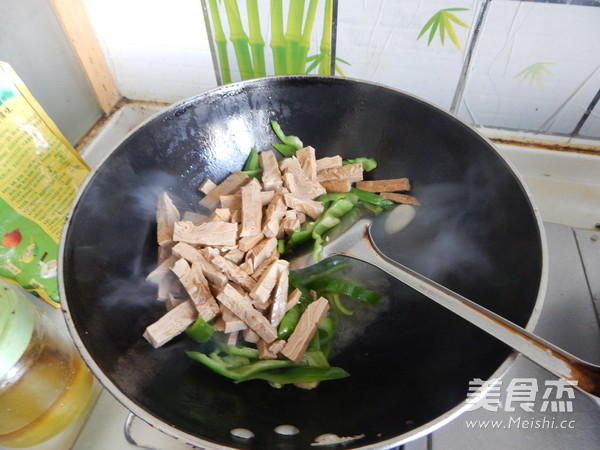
x,y
44,383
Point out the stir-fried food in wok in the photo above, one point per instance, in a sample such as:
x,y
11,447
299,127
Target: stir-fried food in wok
x,y
224,277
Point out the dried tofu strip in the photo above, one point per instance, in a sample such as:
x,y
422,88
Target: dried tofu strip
x,y
305,329
290,222
401,198
235,255
249,242
166,216
261,291
271,176
311,208
194,217
231,184
233,272
161,270
193,255
296,181
274,215
234,201
242,307
337,185
207,233
261,252
197,288
232,322
389,185
308,162
220,215
269,351
251,209
293,299
280,296
352,172
171,324
206,186
329,162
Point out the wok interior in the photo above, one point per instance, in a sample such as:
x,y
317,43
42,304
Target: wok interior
x,y
410,361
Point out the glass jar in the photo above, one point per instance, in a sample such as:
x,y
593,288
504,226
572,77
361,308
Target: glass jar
x,y
44,383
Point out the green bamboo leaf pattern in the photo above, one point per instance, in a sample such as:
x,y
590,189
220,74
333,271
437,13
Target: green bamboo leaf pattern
x,y
290,39
315,60
442,23
221,42
535,73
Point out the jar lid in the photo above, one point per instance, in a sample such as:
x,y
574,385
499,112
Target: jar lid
x,y
16,325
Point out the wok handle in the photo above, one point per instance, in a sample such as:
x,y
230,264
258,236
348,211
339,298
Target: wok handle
x,y
559,362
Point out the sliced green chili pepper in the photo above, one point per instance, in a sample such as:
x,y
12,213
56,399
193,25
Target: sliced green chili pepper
x,y
372,198
322,269
238,350
346,288
317,248
281,247
285,149
333,196
326,330
299,375
292,141
295,282
255,173
369,207
336,302
200,330
367,163
314,358
301,235
247,371
253,162
331,216
288,322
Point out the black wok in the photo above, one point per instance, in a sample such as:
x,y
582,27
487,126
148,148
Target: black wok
x,y
410,360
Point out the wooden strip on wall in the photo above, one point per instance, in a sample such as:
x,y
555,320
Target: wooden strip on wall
x,y
78,29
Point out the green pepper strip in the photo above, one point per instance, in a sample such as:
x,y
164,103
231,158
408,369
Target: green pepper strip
x,y
333,196
300,375
288,322
331,216
237,350
247,371
368,164
252,163
296,282
346,288
323,269
326,331
292,141
200,330
290,319
336,302
285,149
372,198
314,358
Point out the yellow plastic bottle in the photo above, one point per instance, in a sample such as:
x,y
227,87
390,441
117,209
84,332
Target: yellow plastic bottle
x,y
44,383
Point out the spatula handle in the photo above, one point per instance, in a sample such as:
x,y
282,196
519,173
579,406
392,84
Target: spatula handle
x,y
541,352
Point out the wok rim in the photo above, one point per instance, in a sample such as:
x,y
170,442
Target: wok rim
x,y
178,434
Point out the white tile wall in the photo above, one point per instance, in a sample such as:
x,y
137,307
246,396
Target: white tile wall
x,y
156,50
159,51
379,39
515,36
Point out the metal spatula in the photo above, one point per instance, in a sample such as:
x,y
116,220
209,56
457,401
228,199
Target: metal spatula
x,y
357,243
